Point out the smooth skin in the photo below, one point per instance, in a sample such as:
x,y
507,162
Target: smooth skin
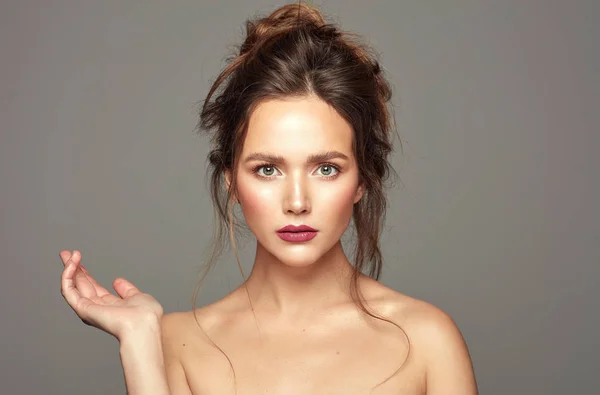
x,y
302,334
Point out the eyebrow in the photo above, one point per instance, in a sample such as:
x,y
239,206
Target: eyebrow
x,y
278,159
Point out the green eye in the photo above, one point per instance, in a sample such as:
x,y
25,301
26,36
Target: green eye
x,y
265,170
269,170
328,170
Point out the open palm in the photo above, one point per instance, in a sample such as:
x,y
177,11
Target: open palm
x,y
96,306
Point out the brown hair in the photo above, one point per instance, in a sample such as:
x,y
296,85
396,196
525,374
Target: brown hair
x,y
294,52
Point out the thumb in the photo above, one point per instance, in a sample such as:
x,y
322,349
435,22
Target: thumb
x,y
124,288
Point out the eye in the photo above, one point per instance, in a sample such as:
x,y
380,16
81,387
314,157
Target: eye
x,y
267,170
328,170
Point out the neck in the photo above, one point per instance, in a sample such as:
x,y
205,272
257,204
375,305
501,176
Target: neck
x,y
283,290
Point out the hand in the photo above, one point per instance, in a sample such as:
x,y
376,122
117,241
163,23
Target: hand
x,y
116,315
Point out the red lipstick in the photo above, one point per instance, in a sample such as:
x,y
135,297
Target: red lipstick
x,y
299,233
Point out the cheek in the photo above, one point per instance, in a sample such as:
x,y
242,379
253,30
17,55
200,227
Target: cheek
x,y
337,200
256,199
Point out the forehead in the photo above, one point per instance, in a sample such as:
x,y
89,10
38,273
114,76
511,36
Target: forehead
x,y
299,126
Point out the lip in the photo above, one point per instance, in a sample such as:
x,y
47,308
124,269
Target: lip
x,y
298,228
297,234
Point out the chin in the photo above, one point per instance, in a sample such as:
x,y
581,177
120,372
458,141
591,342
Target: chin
x,y
301,254
292,254
299,258
296,255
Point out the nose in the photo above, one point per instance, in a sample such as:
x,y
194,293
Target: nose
x,y
297,199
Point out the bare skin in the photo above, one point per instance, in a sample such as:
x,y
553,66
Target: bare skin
x,y
333,351
302,333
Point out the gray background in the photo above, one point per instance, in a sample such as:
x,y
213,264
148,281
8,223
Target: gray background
x,y
495,219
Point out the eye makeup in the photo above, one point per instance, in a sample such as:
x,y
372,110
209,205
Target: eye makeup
x,y
257,169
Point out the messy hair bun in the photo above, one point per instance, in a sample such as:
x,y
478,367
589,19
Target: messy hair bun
x,y
295,52
280,22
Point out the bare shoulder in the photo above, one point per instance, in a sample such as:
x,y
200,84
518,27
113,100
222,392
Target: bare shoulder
x,y
188,334
435,338
183,330
177,335
410,311
185,342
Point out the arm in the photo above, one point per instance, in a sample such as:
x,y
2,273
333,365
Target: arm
x,y
143,362
449,366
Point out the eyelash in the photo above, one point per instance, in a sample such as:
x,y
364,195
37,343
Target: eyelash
x,y
258,167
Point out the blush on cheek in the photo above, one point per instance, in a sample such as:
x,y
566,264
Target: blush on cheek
x,y
335,207
339,197
255,200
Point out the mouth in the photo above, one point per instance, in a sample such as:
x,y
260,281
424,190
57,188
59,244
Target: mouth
x,y
296,228
297,234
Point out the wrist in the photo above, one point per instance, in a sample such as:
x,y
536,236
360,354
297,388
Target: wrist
x,y
142,344
147,327
142,358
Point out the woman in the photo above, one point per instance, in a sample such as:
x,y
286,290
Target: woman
x,y
301,143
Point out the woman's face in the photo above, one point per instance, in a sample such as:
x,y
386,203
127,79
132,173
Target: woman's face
x,y
297,167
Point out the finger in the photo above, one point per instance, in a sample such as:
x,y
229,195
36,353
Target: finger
x,y
100,290
80,304
68,289
65,255
124,288
85,288
83,284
